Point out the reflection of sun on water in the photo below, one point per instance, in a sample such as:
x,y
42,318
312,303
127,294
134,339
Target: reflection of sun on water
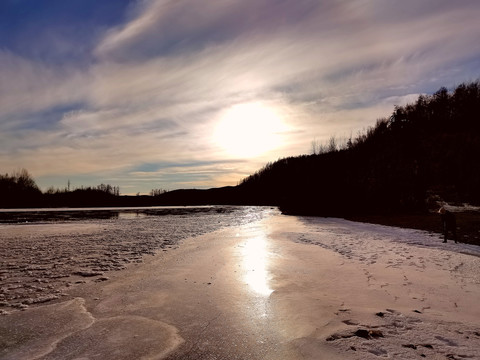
x,y
249,130
255,262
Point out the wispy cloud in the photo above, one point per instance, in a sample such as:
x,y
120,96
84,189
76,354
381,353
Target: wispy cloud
x,y
155,86
27,86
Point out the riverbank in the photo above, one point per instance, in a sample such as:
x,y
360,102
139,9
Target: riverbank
x,y
468,223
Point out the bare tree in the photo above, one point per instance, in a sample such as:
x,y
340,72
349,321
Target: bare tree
x,y
314,146
157,192
332,145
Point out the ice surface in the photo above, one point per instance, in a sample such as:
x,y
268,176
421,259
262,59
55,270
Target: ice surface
x,y
334,289
40,261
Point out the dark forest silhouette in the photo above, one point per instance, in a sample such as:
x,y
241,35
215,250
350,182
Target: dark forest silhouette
x,y
426,149
19,190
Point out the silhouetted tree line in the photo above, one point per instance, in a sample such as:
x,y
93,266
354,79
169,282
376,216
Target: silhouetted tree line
x,y
101,195
157,192
19,190
429,147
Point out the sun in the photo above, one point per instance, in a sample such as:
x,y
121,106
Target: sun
x,y
249,130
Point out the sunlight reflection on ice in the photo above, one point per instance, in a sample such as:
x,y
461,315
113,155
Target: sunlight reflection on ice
x,y
255,261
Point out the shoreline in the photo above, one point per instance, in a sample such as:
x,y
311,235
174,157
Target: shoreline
x,y
468,220
468,223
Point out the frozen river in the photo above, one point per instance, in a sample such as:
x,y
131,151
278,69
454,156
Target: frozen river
x,y
234,283
45,251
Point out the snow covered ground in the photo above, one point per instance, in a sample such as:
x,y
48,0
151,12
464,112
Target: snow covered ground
x,y
404,294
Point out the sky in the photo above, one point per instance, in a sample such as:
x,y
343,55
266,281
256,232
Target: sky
x,y
168,94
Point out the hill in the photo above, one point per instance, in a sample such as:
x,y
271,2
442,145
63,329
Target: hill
x,y
424,151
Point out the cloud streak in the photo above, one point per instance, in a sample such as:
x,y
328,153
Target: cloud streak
x,y
155,85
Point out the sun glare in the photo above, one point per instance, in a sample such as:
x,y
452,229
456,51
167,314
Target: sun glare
x,y
255,263
248,130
